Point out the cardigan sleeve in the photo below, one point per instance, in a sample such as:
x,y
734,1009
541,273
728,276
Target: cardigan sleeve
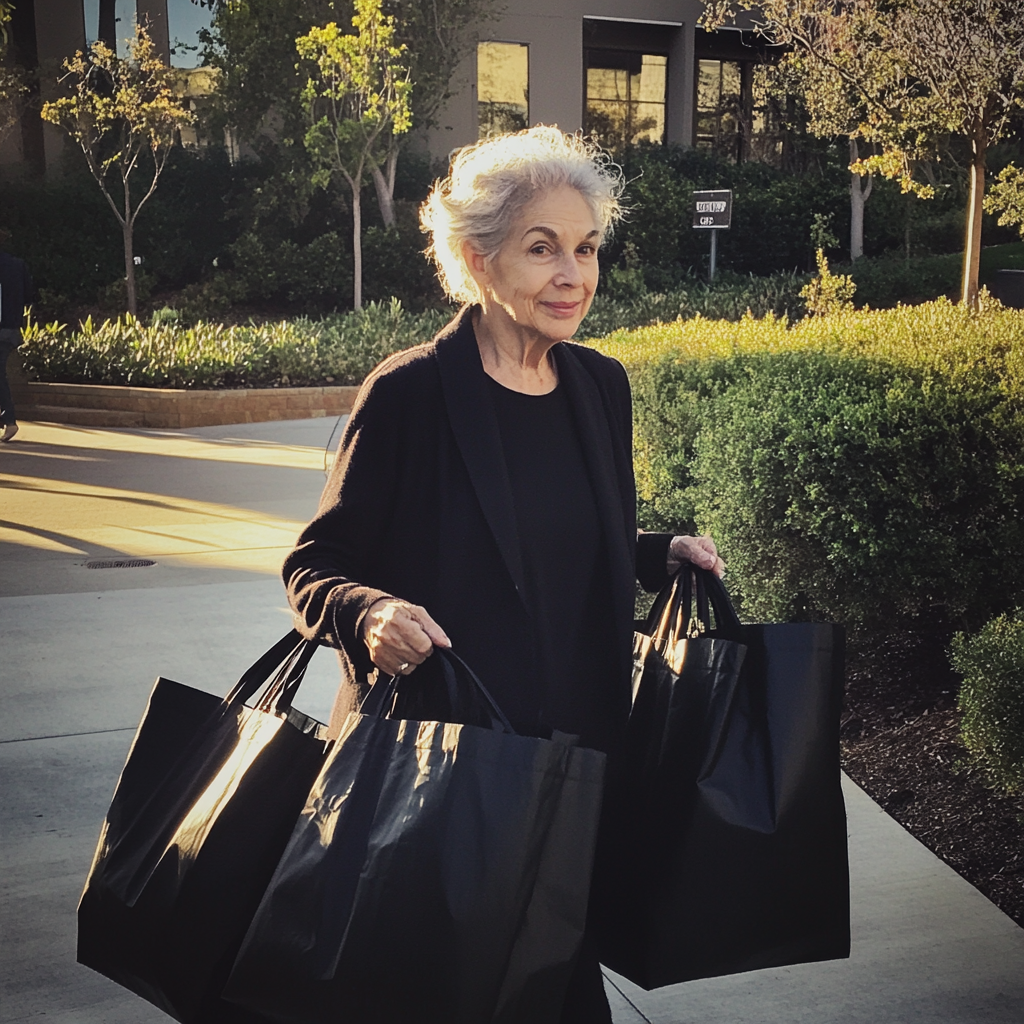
x,y
652,560
325,574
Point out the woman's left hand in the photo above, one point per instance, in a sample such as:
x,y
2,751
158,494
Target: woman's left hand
x,y
698,551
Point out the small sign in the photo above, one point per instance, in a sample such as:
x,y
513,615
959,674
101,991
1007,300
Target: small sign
x,y
712,209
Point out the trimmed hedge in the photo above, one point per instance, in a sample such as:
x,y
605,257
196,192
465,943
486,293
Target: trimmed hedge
x,y
991,698
866,468
339,349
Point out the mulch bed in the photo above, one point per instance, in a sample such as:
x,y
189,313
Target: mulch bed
x,y
900,742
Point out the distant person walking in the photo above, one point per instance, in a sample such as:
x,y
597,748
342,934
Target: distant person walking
x,y
15,292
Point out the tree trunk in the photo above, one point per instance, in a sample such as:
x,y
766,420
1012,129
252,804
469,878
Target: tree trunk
x,y
107,27
860,192
972,242
127,229
385,187
357,245
129,267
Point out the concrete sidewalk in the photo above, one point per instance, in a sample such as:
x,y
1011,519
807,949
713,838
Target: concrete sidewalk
x,y
216,508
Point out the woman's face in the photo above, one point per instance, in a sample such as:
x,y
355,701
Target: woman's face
x,y
545,273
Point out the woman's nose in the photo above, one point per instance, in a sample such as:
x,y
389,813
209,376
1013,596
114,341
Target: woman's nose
x,y
568,273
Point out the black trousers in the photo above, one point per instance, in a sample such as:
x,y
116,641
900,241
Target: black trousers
x,y
585,1001
9,340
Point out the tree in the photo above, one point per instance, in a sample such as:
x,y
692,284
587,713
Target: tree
x,y
118,109
12,78
261,89
1006,198
922,71
833,109
356,96
438,35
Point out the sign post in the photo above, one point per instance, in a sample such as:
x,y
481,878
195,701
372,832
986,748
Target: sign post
x,y
712,211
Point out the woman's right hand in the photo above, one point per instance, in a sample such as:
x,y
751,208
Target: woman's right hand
x,y
400,636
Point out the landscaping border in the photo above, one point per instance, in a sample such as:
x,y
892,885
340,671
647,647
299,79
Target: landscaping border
x,y
97,405
102,405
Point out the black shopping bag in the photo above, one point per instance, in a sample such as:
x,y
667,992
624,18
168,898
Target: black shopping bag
x,y
726,840
202,811
439,872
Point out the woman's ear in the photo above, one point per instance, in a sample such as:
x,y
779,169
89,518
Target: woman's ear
x,y
476,264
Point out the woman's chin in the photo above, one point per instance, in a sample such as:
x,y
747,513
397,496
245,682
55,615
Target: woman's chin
x,y
560,328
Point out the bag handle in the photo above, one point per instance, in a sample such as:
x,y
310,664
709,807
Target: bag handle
x,y
281,692
727,622
379,702
674,615
260,671
290,657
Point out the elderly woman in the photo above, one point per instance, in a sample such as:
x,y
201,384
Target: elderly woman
x,y
483,495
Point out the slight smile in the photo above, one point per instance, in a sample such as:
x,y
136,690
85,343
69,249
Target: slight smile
x,y
563,309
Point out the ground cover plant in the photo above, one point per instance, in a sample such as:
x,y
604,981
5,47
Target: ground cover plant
x,y
991,698
181,348
339,349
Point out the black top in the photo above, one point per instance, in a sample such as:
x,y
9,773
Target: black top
x,y
567,591
419,506
15,291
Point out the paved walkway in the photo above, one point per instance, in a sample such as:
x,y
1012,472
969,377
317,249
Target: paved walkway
x,y
216,508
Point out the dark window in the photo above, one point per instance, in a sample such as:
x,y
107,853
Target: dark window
x,y
625,97
735,115
719,106
625,81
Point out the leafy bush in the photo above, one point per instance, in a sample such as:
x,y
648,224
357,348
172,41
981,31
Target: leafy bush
x,y
339,349
773,212
729,298
887,280
179,232
865,467
991,698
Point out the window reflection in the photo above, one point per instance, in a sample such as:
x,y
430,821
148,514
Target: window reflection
x,y
719,106
625,97
502,88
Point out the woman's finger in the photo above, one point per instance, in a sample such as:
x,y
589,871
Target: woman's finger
x,y
708,544
434,632
397,637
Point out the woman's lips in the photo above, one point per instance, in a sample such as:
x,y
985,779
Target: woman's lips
x,y
563,308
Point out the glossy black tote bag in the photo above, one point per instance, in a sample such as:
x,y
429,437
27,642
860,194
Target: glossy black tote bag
x,y
728,849
438,874
203,809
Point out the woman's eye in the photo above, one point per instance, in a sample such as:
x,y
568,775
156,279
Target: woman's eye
x,y
539,250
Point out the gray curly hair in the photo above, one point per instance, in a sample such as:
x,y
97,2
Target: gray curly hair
x,y
491,181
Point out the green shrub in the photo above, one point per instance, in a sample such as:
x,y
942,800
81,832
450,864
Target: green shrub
x,y
772,214
887,280
991,698
338,349
865,467
179,232
352,344
731,297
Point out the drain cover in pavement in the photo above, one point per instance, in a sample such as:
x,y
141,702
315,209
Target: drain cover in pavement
x,y
119,563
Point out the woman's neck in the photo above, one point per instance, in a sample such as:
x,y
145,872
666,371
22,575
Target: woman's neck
x,y
518,358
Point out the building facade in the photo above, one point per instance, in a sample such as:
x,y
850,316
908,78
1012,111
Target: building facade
x,y
623,71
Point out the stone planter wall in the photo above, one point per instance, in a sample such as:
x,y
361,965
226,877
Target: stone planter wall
x,y
99,405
